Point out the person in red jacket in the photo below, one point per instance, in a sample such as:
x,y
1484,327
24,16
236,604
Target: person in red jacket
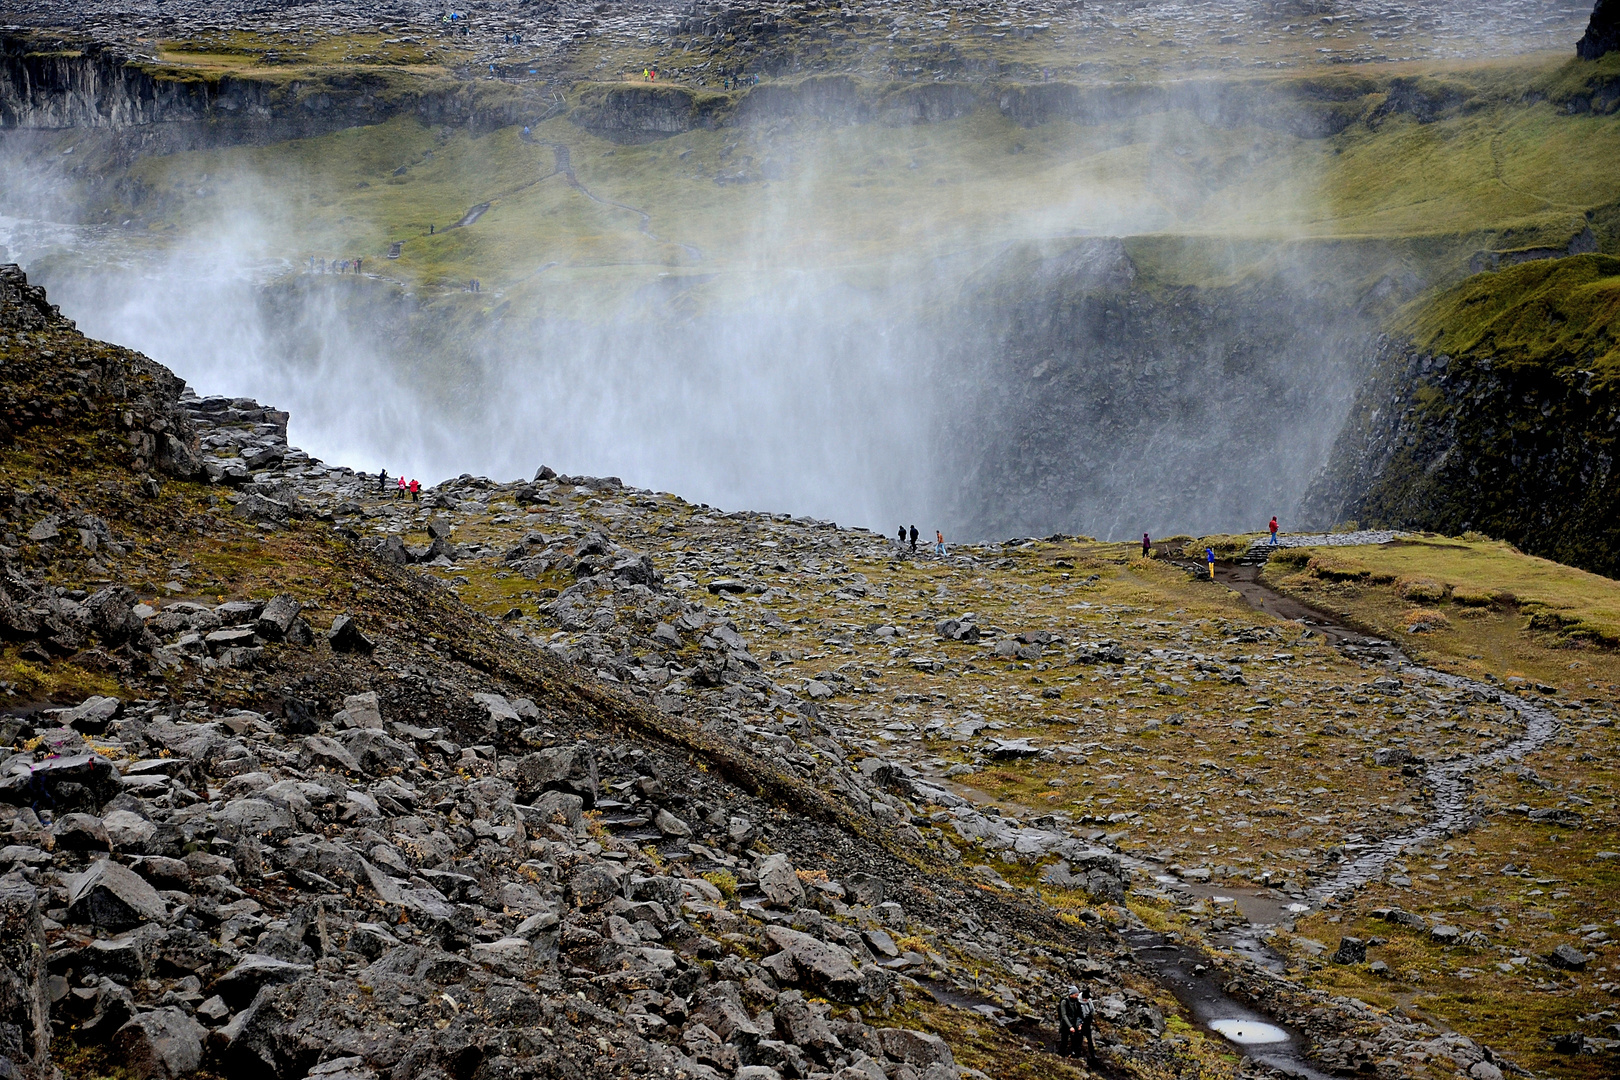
x,y
416,491
1274,531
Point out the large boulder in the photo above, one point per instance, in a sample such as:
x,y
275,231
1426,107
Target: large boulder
x,y
25,1022
780,882
916,1048
558,768
160,1045
113,897
826,968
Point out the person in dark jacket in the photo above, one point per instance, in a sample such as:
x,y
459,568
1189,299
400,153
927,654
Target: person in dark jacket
x,y
1147,545
1069,1021
914,539
1088,1022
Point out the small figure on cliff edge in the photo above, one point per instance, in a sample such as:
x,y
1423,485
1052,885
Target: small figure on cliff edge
x,y
1147,545
1209,554
1274,530
403,488
416,491
914,539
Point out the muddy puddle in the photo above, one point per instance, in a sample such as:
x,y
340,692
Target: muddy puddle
x,y
1187,973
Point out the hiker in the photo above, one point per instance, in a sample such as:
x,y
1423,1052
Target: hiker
x,y
1069,1023
1209,555
1088,1020
901,535
914,539
1274,530
382,481
400,492
1147,545
357,263
416,491
430,230
939,542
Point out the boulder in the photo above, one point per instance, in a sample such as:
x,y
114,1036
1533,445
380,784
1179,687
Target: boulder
x,y
345,636
915,1048
1352,950
92,716
780,882
242,983
113,897
80,832
376,752
160,1045
1568,958
25,1022
278,616
591,887
829,969
558,768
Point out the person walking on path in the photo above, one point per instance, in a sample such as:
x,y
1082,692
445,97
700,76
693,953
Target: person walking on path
x,y
939,542
914,539
902,536
399,493
1069,1023
1274,530
382,481
1147,545
1209,555
1088,1021
416,491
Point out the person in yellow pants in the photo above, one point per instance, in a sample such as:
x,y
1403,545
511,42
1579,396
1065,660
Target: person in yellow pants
x,y
1209,555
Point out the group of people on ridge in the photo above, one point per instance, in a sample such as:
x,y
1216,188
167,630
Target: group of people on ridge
x,y
402,489
902,535
1209,552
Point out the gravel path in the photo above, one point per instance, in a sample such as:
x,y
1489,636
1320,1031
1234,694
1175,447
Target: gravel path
x,y
1346,539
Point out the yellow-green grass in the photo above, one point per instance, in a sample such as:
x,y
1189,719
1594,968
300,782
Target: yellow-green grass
x,y
1505,612
1562,314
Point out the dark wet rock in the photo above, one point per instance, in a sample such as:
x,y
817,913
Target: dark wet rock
x,y
780,882
345,636
1351,950
80,832
591,887
25,1026
239,985
1568,958
113,897
1602,33
559,768
163,1044
277,619
92,715
916,1048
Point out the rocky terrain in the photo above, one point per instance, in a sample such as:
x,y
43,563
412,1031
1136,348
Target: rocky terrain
x,y
706,42
567,778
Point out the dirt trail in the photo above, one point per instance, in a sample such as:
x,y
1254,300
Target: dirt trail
x,y
1448,779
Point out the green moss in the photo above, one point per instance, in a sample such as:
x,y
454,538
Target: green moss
x,y
1555,313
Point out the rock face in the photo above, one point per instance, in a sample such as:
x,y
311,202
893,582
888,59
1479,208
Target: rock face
x,y
1602,33
1474,439
25,1028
